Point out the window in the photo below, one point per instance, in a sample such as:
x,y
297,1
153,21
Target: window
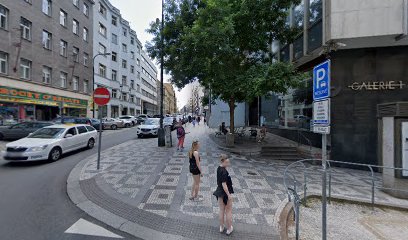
x,y
76,3
25,27
102,9
4,17
114,21
86,86
132,69
124,80
86,59
63,79
82,129
75,27
137,87
46,74
90,128
138,49
63,48
102,29
114,56
3,62
114,75
102,49
102,70
85,34
138,62
132,55
124,32
124,63
138,75
114,93
85,10
124,97
132,40
25,68
124,47
63,18
75,54
132,84
75,83
132,99
46,40
114,38
46,7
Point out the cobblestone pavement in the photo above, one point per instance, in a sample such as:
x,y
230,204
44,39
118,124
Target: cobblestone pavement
x,y
155,183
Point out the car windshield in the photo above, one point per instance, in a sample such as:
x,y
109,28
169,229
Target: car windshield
x,y
47,133
152,121
168,119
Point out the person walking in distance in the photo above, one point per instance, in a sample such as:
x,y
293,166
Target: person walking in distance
x,y
181,134
195,169
224,195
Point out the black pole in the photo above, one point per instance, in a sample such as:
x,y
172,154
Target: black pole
x,y
93,86
160,133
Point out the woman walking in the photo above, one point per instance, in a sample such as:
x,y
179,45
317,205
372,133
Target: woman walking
x,y
181,134
224,195
195,169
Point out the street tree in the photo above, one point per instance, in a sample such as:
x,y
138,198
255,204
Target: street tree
x,y
226,46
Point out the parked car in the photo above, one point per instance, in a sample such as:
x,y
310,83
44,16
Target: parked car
x,y
76,120
149,127
126,122
130,118
21,130
112,123
51,142
169,121
95,123
141,118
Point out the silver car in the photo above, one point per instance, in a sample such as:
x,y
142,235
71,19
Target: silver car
x,y
112,123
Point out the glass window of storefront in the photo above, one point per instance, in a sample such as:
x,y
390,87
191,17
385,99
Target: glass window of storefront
x,y
315,25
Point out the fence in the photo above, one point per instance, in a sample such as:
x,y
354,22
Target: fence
x,y
294,184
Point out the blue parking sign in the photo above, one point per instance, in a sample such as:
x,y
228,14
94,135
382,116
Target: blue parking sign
x,y
321,81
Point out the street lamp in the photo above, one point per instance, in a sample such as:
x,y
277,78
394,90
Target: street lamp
x,y
161,140
93,78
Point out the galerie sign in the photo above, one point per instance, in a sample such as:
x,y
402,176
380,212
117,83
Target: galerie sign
x,y
376,86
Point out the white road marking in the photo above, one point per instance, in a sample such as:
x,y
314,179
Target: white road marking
x,y
87,228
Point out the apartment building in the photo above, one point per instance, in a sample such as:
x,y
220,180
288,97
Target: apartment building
x,y
127,72
45,59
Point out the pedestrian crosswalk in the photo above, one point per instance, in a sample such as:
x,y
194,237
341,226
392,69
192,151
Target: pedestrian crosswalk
x,y
85,227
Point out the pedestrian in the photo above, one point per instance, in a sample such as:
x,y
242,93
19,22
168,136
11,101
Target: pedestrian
x,y
181,134
262,134
223,128
224,195
189,118
195,169
205,121
198,120
194,121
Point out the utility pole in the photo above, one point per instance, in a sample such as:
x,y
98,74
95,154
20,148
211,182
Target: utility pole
x,y
161,140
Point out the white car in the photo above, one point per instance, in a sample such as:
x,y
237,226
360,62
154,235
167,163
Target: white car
x,y
126,122
149,127
51,142
132,119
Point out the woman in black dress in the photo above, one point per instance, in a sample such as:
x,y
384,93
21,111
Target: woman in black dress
x,y
224,195
195,169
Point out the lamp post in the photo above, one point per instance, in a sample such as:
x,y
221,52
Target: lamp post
x,y
93,78
161,138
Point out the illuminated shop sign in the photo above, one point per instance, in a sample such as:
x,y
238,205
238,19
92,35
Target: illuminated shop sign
x,y
377,86
30,97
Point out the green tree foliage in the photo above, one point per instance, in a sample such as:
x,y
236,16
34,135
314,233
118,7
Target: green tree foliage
x,y
225,45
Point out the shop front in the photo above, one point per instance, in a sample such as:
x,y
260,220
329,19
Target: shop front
x,y
17,105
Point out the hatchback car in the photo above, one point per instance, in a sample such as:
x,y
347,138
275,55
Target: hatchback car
x,y
51,142
21,130
149,127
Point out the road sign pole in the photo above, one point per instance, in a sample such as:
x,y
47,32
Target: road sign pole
x,y
100,138
324,192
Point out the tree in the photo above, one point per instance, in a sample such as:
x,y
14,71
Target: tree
x,y
225,45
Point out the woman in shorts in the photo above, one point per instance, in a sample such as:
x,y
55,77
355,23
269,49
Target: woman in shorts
x,y
195,169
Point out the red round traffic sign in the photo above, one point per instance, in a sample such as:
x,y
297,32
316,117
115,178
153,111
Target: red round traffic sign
x,y
101,96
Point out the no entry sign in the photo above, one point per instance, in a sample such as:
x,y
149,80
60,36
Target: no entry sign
x,y
101,96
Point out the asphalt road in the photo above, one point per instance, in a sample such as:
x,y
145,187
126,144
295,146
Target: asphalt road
x,y
33,199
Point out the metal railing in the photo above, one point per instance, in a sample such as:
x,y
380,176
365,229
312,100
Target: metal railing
x,y
302,136
296,183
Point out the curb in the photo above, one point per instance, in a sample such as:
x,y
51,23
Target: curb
x,y
81,201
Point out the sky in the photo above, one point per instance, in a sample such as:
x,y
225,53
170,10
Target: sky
x,y
140,13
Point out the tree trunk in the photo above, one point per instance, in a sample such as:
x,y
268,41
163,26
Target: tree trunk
x,y
231,104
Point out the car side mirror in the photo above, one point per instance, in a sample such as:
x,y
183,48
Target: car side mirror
x,y
68,135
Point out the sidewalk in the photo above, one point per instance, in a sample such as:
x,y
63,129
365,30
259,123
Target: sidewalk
x,y
143,190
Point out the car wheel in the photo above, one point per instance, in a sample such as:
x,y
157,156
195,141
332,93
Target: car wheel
x,y
55,154
114,127
139,136
91,143
133,123
127,125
